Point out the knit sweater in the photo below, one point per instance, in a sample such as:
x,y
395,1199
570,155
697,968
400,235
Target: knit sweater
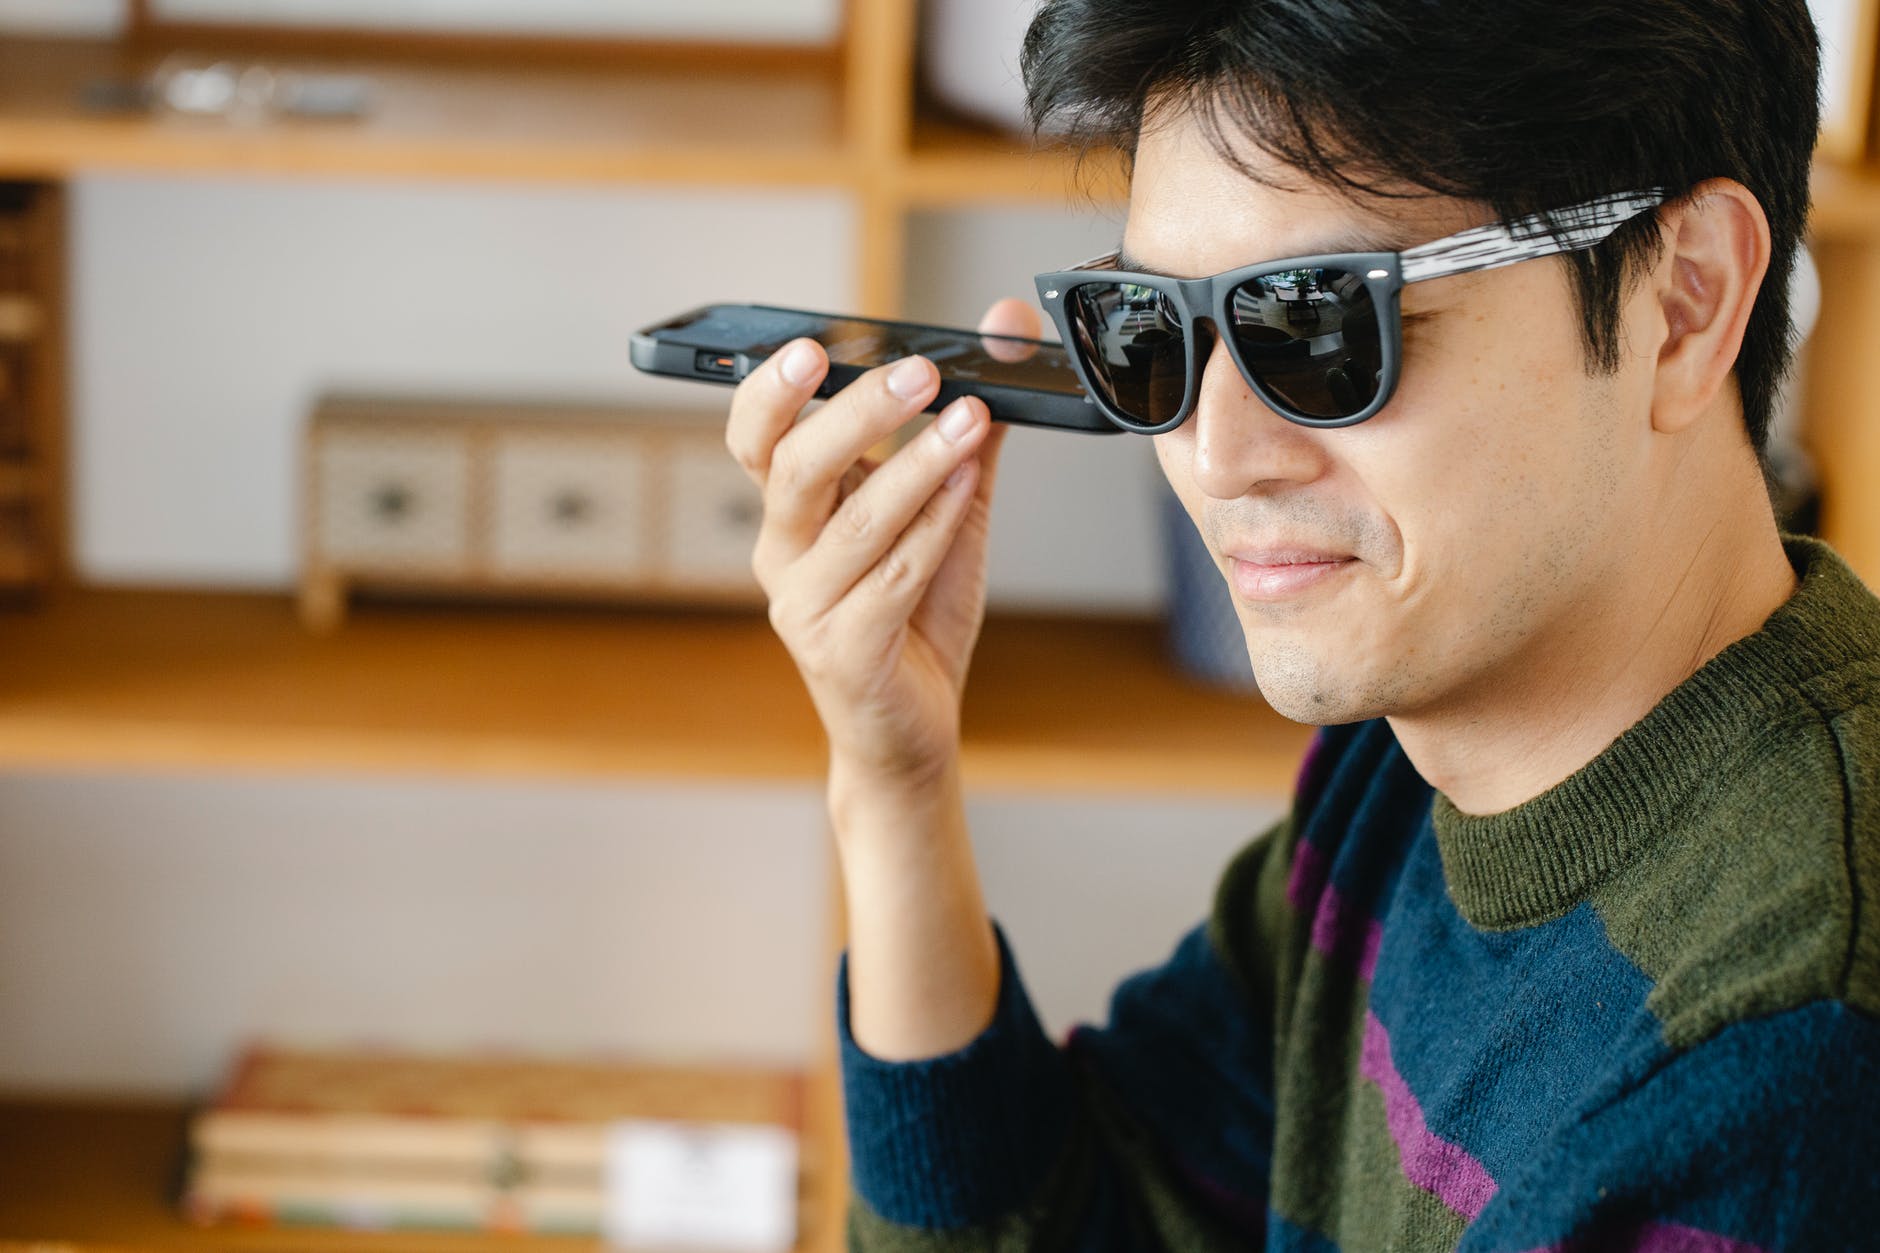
x,y
1640,1011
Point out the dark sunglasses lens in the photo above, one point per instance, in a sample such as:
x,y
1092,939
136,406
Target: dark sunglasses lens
x,y
1133,346
1314,339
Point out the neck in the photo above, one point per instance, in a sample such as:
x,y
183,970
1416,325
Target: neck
x,y
1543,715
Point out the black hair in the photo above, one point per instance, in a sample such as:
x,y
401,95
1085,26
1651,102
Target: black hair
x,y
1523,105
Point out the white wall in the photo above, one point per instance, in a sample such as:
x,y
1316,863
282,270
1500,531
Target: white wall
x,y
1089,890
151,925
65,17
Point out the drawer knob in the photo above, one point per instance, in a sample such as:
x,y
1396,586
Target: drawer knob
x,y
392,502
571,508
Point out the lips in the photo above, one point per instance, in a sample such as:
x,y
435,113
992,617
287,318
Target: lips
x,y
1278,572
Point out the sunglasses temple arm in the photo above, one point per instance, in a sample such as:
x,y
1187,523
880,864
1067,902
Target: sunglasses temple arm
x,y
1525,239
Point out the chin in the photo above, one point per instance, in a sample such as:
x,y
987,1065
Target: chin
x,y
1312,708
1303,688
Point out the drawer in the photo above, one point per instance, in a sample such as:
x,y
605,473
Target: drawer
x,y
569,507
394,500
713,519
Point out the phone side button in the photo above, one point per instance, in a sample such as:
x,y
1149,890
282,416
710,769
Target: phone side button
x,y
724,365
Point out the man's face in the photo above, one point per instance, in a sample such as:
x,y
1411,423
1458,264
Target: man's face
x,y
1470,532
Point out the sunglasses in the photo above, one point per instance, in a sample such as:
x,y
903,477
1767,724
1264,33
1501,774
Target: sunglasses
x,y
1318,339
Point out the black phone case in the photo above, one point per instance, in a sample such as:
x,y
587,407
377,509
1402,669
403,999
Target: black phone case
x,y
664,349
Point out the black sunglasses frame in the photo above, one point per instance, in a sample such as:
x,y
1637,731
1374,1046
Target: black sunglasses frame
x,y
1207,299
1385,274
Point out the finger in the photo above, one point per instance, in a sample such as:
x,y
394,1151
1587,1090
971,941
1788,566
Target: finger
x,y
808,462
956,593
1010,316
893,588
766,404
988,459
867,524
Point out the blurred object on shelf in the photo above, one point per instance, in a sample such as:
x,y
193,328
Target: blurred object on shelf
x,y
779,22
237,91
1794,486
378,1139
970,58
545,502
117,96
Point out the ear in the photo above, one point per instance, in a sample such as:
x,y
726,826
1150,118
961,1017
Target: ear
x,y
1717,251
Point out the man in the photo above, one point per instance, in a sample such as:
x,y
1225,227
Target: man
x,y
1572,937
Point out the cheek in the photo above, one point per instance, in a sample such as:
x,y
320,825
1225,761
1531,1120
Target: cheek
x,y
1491,442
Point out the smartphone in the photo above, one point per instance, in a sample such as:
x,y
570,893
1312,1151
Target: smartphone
x,y
1026,381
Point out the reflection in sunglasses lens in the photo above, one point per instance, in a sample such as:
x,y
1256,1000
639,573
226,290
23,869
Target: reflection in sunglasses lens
x,y
1312,338
1132,342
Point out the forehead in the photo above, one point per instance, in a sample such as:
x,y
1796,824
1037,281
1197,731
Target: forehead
x,y
1192,211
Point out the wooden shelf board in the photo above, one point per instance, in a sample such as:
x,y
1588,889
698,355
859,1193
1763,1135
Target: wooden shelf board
x,y
198,681
1846,203
21,562
680,124
953,163
97,1175
16,481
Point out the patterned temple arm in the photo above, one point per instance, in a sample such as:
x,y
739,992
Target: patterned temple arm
x,y
1540,235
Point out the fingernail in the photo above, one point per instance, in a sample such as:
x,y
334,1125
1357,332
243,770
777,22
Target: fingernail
x,y
960,471
799,363
956,422
909,379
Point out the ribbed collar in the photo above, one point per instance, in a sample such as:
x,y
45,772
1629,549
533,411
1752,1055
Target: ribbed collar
x,y
1541,858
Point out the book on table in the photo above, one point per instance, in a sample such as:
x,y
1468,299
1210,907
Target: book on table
x,y
375,1138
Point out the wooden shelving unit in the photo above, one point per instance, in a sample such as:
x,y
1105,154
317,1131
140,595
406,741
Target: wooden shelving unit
x,y
139,681
32,424
123,681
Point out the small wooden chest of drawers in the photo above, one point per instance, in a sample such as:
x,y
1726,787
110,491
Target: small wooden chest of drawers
x,y
475,498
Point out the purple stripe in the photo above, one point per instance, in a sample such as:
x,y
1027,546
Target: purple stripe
x,y
1345,935
1447,1171
1310,869
1367,955
1672,1238
1654,1238
1339,931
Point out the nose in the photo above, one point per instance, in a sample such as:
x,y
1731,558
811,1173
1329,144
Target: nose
x,y
1240,445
